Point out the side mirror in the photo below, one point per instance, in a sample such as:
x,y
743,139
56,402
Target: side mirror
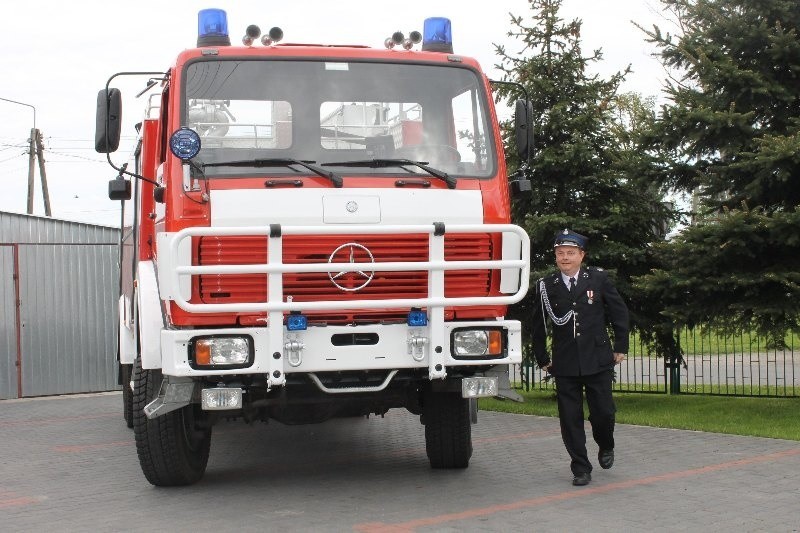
x,y
119,189
523,129
108,125
521,187
158,194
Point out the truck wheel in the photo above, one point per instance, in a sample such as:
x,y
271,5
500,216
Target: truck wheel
x,y
173,448
448,433
127,393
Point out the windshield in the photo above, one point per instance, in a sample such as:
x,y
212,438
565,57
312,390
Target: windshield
x,y
329,112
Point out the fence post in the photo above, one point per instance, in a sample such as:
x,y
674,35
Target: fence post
x,y
672,369
17,317
525,375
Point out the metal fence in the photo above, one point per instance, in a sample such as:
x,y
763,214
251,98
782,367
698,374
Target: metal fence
x,y
733,365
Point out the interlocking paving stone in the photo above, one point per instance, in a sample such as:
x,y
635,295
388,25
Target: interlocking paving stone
x,y
69,464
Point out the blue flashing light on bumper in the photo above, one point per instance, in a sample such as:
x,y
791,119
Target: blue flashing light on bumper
x,y
417,318
296,322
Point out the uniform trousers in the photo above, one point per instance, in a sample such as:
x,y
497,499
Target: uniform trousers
x,y
569,392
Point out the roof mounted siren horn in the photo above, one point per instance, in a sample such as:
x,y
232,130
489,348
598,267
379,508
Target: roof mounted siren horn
x,y
274,36
437,35
252,33
394,40
212,28
413,38
398,39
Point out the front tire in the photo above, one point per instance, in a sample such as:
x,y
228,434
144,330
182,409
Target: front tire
x,y
173,448
448,432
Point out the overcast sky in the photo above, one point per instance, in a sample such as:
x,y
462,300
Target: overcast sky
x,y
57,55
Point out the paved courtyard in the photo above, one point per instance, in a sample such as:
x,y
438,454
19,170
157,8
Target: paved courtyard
x,y
69,464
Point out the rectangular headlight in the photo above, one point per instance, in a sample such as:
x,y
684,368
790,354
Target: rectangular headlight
x,y
478,387
221,398
477,343
221,351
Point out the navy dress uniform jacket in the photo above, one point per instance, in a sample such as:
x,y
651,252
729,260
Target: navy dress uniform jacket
x,y
581,347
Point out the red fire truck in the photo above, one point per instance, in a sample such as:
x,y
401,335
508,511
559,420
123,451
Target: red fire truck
x,y
313,232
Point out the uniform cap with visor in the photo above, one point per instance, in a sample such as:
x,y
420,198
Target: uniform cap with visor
x,y
568,237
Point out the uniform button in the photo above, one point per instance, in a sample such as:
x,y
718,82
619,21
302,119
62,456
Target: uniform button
x,y
576,324
574,304
578,334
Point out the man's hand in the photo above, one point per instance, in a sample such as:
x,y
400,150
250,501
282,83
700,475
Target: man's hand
x,y
618,358
546,367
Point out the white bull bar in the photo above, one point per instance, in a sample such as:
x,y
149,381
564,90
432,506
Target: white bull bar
x,y
175,271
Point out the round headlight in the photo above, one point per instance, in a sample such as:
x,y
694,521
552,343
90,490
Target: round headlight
x,y
185,143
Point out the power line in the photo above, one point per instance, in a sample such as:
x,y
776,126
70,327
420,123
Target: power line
x,y
87,211
65,162
61,145
91,141
75,156
13,157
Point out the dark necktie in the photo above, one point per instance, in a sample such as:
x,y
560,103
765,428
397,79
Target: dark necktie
x,y
571,284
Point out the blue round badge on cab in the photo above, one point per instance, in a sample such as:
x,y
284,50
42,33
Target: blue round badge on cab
x,y
185,143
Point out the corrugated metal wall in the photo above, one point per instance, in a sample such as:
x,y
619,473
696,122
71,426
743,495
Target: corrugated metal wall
x,y
8,343
67,289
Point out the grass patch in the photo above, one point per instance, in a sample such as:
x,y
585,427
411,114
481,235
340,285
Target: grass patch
x,y
703,341
724,389
756,417
780,391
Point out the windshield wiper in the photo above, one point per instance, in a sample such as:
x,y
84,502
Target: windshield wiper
x,y
280,162
385,163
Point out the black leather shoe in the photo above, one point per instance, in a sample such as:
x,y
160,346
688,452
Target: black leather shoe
x,y
582,479
606,458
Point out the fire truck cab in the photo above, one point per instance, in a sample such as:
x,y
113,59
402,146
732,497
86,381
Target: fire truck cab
x,y
313,232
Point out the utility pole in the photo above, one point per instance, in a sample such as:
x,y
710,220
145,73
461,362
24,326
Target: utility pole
x,y
42,176
35,151
31,157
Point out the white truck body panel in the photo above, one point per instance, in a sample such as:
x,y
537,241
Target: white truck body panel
x,y
150,315
313,207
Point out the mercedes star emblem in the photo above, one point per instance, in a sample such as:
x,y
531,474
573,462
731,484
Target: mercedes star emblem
x,y
352,279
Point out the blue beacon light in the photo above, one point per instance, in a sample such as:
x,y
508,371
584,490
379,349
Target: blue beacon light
x,y
437,35
212,28
296,322
417,318
184,143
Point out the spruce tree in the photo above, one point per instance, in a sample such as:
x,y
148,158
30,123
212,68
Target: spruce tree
x,y
585,169
731,132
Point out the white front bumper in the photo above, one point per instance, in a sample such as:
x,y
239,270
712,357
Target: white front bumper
x,y
391,351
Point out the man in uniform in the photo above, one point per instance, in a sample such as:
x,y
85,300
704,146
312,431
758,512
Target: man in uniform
x,y
580,302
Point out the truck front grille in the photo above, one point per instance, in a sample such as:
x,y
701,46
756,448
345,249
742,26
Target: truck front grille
x,y
309,287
